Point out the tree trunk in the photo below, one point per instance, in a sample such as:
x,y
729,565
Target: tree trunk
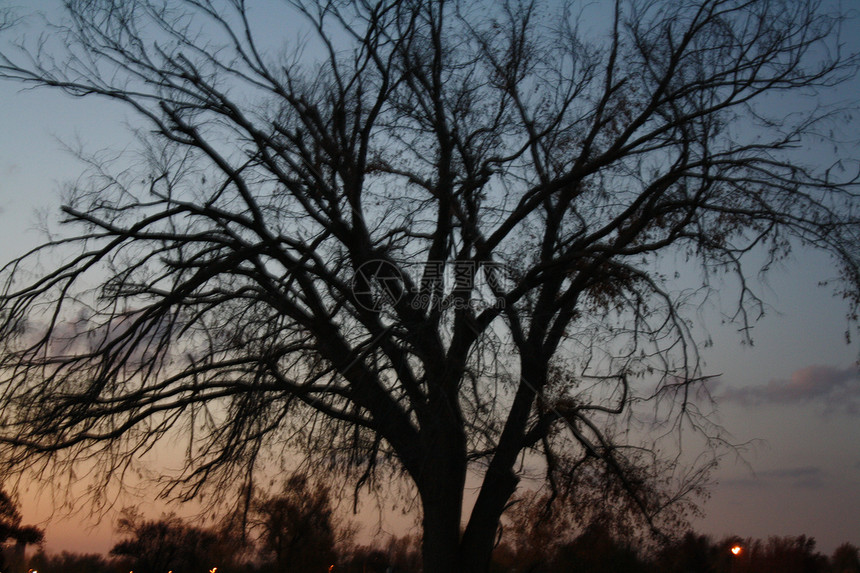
x,y
441,489
500,481
480,535
444,549
441,542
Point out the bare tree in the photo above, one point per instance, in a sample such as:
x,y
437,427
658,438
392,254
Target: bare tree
x,y
428,241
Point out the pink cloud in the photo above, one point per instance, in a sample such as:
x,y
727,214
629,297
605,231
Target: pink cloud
x,y
836,388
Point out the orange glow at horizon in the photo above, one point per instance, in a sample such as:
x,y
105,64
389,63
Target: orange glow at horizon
x,y
736,550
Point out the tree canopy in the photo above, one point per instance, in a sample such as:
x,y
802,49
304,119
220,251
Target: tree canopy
x,y
11,528
431,240
297,527
166,544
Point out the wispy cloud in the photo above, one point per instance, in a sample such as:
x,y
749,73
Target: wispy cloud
x,y
805,477
836,388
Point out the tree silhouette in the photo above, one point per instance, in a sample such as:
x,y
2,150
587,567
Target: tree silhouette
x,y
432,242
845,559
598,551
166,544
68,562
789,554
11,528
298,527
692,553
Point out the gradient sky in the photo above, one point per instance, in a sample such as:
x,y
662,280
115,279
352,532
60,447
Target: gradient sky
x,y
796,391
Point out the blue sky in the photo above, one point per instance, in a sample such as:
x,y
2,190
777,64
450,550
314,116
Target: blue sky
x,y
796,391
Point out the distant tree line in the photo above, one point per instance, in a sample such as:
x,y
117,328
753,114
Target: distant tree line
x,y
298,529
597,550
543,534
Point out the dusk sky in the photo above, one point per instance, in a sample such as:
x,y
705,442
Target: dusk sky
x,y
794,394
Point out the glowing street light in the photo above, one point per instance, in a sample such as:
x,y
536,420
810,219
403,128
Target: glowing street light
x,y
736,550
